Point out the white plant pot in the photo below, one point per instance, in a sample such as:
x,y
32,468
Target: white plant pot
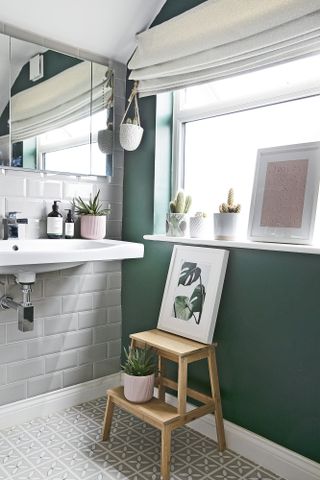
x,y
177,225
105,140
198,227
225,225
130,136
138,389
93,227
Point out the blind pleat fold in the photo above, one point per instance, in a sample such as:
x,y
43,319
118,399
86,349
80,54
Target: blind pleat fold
x,y
65,98
222,38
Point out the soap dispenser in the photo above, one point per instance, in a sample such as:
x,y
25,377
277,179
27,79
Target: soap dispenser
x,y
69,225
55,222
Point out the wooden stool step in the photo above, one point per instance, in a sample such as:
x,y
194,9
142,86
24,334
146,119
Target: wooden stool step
x,y
157,412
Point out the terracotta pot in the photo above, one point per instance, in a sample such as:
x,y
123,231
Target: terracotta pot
x,y
93,227
138,389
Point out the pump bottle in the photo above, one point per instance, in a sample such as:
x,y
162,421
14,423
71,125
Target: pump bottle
x,y
69,225
55,222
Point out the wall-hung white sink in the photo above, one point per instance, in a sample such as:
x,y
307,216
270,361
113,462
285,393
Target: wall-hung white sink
x,y
47,255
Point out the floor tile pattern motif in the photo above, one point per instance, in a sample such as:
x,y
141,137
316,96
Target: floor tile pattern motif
x,y
67,446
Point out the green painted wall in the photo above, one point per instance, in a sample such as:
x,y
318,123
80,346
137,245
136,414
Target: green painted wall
x,y
268,327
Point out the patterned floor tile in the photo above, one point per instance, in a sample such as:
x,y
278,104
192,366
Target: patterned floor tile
x,y
18,466
52,469
223,474
68,446
30,475
261,474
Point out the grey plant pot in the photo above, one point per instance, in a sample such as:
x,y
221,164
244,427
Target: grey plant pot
x,y
225,225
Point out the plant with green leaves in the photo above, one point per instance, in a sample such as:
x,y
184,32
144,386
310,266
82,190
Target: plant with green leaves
x,y
230,206
181,203
91,207
139,362
185,307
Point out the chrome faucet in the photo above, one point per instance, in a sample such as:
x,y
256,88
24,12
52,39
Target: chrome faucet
x,y
11,225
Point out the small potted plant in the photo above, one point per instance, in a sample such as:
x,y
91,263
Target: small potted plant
x,y
93,217
139,373
225,222
130,131
199,225
177,219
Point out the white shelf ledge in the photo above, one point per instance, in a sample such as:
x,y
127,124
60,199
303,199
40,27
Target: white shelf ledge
x,y
210,242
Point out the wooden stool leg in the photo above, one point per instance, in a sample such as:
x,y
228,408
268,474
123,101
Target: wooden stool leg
x,y
165,452
107,419
215,390
182,385
161,374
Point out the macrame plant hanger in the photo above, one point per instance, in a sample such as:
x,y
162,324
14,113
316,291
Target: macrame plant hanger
x,y
131,132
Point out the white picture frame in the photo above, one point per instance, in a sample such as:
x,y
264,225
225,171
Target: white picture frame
x,y
192,292
285,194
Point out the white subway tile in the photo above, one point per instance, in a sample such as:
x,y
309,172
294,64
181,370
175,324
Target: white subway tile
x,y
71,190
12,186
61,361
44,384
28,208
77,375
77,339
24,370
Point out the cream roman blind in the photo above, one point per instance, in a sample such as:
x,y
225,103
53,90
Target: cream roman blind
x,y
71,95
222,38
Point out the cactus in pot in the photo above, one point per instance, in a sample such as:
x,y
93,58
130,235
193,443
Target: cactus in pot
x,y
181,203
225,222
230,206
177,220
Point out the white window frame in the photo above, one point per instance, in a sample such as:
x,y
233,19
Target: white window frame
x,y
182,116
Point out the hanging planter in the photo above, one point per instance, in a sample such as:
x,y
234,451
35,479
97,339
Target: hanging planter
x,y
105,139
130,134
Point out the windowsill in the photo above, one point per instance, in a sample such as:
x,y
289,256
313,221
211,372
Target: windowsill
x,y
277,247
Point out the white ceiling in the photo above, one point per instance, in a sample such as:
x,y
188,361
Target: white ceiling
x,y
104,27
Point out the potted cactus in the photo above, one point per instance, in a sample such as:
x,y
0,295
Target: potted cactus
x,y
199,225
177,219
139,373
93,217
225,222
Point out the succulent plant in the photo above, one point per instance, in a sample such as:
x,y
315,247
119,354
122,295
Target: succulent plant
x,y
230,206
139,362
92,207
200,214
181,203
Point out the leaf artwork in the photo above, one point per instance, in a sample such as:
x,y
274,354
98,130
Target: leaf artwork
x,y
185,307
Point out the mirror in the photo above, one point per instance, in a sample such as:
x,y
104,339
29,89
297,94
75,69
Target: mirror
x,y
60,111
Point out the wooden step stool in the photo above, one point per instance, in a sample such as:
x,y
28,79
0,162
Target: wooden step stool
x,y
159,414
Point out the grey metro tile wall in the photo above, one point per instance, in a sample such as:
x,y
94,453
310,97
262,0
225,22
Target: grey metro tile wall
x,y
77,327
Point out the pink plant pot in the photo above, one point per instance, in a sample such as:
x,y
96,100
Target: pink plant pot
x,y
93,227
138,389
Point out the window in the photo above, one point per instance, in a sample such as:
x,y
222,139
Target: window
x,y
70,145
219,126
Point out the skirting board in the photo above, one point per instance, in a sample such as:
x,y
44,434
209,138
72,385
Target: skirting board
x,y
43,405
269,455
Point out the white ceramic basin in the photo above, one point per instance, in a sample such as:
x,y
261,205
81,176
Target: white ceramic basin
x,y
47,255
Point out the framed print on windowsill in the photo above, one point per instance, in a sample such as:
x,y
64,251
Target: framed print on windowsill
x,y
285,194
192,292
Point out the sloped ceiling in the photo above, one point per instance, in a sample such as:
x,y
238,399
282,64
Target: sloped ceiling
x,y
104,27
